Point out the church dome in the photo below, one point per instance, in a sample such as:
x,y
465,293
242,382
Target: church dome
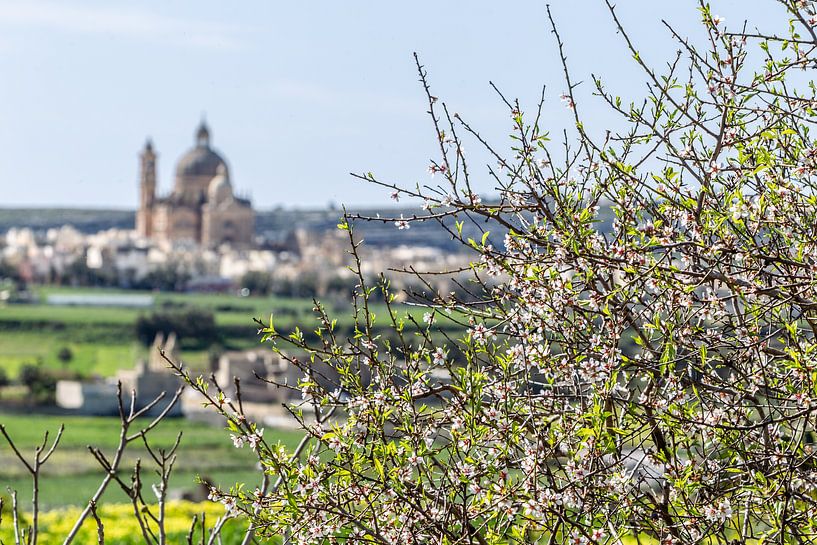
x,y
201,160
220,190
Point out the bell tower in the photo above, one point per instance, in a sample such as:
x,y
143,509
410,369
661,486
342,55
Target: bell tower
x,y
147,190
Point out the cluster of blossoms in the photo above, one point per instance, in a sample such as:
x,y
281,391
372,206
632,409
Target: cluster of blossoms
x,y
718,513
253,439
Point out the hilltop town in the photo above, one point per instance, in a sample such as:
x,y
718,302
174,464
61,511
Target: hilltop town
x,y
202,236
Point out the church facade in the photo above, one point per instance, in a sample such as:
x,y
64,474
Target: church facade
x,y
201,208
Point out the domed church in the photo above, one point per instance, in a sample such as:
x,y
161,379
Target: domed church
x,y
202,207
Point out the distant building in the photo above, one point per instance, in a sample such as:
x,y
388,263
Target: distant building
x,y
148,380
201,208
253,368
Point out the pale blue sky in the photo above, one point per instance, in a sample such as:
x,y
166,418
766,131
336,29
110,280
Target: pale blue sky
x,y
297,94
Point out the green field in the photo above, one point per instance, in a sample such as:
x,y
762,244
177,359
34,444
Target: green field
x,y
103,339
72,474
228,309
20,347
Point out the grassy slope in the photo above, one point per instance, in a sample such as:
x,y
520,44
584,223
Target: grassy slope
x,y
21,347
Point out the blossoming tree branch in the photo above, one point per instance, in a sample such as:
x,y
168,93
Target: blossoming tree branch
x,y
640,352
651,376
639,362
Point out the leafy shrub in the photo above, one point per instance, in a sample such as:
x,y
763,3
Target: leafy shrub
x,y
193,324
257,282
169,277
41,383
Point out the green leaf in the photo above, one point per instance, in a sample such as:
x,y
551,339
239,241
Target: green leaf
x,y
379,467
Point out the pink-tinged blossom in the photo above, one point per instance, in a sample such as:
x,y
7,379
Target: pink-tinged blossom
x,y
238,440
433,169
438,357
567,101
802,399
481,334
230,505
255,438
578,539
415,460
466,470
402,224
721,512
418,389
335,443
395,195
